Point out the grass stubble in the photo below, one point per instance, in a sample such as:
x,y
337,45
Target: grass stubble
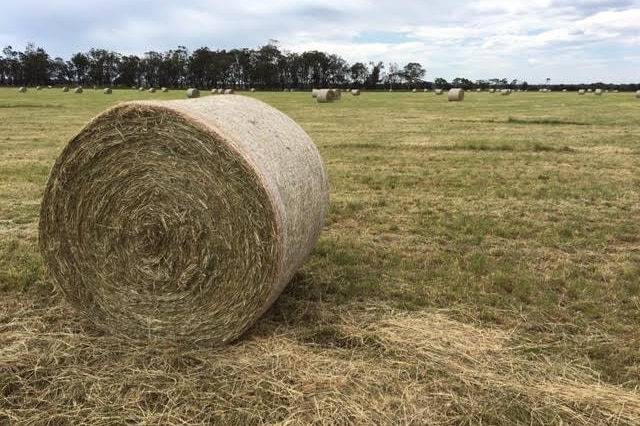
x,y
480,263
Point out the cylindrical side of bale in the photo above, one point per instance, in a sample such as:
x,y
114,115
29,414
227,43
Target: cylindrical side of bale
x,y
186,220
438,91
214,91
107,91
193,93
324,95
228,91
77,90
220,91
65,89
22,89
355,92
598,92
456,94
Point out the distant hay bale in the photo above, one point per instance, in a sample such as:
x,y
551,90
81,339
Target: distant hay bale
x,y
564,90
141,89
505,92
285,90
589,90
77,90
253,89
355,92
455,95
65,89
22,89
325,95
38,88
414,91
615,91
478,90
228,91
193,93
164,90
638,94
581,92
314,93
152,90
598,92
438,92
107,91
185,221
214,91
492,90
425,90
220,91
49,87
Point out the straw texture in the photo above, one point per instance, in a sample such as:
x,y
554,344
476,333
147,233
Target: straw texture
x,y
182,220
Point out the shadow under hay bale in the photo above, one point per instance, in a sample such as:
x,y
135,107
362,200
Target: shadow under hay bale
x,y
184,221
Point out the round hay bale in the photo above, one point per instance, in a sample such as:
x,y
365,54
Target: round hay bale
x,y
77,90
49,87
505,92
425,90
214,91
438,91
164,89
38,88
324,95
414,91
478,90
564,90
22,89
228,92
220,91
314,93
455,95
141,89
253,89
193,93
598,92
492,90
152,90
589,90
581,92
285,90
107,91
186,220
355,92
65,89
638,94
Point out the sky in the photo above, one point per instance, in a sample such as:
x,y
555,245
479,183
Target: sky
x,y
567,41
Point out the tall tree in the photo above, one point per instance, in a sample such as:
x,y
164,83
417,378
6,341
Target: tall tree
x,y
35,65
413,73
80,64
375,76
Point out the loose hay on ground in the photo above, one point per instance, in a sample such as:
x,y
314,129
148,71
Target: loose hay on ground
x,y
182,220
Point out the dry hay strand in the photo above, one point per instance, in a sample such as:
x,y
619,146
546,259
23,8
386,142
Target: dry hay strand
x,y
77,90
365,367
228,91
455,95
193,93
182,220
22,89
324,95
107,91
581,92
438,91
355,92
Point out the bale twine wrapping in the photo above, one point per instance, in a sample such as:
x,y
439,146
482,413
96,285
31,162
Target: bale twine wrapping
x,y
65,89
182,220
455,95
438,91
107,91
355,92
77,90
193,93
228,92
324,95
22,89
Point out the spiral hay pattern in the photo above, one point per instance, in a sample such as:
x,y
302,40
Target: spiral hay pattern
x,y
182,220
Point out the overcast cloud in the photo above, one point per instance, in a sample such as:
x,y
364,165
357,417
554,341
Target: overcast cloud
x,y
568,41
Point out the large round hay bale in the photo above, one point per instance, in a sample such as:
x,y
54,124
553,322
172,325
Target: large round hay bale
x,y
152,90
220,91
505,92
228,91
314,93
65,89
456,94
77,90
141,89
414,90
22,89
253,89
164,89
492,90
598,92
425,90
324,95
581,92
355,92
214,91
107,91
186,220
638,94
438,91
193,93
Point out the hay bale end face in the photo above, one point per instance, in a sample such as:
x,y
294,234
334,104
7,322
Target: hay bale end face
x,y
190,228
324,96
193,93
455,95
107,91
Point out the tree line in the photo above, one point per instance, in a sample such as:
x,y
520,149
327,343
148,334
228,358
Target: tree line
x,y
266,67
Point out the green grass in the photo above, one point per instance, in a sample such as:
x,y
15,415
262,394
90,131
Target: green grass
x,y
518,212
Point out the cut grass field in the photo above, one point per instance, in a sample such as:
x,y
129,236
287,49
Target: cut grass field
x,y
480,264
